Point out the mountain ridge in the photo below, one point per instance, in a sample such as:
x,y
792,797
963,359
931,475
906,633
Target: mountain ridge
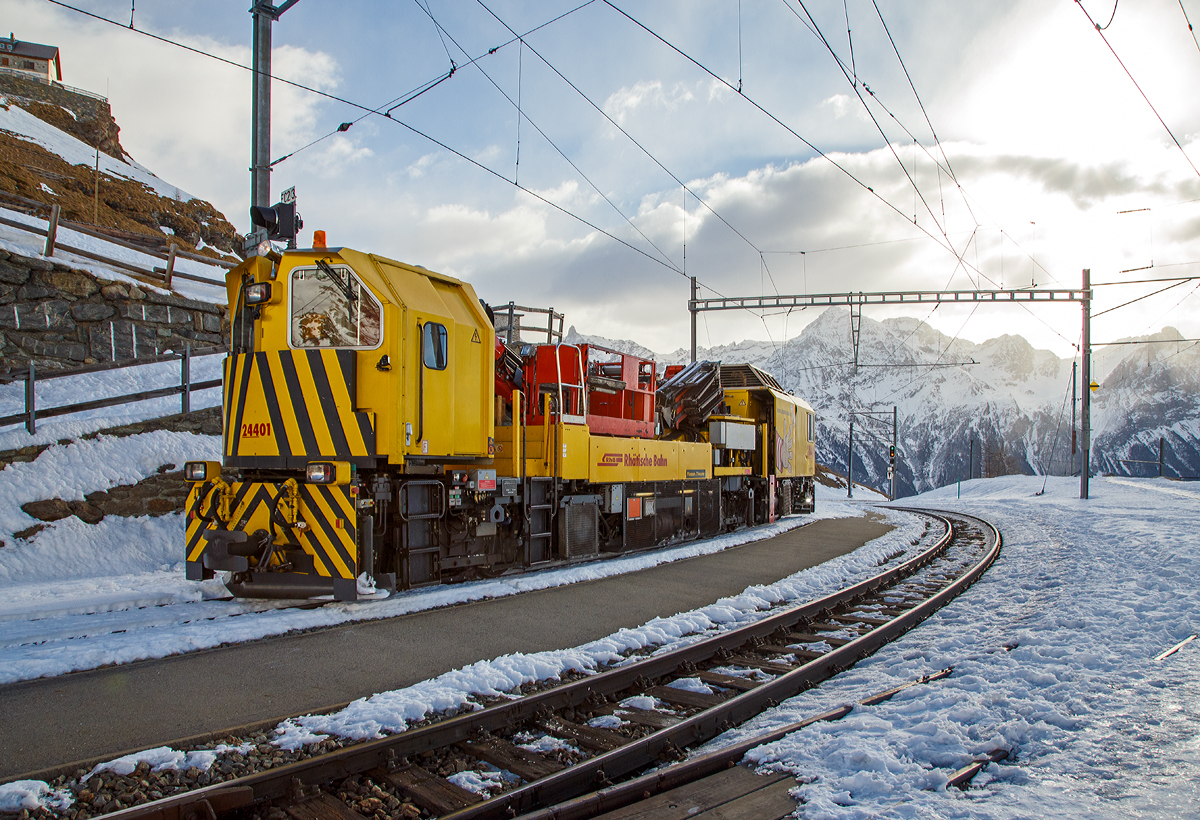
x,y
964,408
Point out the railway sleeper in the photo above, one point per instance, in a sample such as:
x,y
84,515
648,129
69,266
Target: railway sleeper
x,y
862,619
433,793
587,737
504,754
766,666
809,637
322,807
649,718
727,681
683,697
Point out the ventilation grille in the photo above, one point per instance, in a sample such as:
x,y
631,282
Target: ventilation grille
x,y
578,530
709,497
747,375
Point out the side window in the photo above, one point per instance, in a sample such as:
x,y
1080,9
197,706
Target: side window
x,y
331,308
812,425
434,346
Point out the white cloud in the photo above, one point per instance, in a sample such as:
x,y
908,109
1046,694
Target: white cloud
x,y
651,94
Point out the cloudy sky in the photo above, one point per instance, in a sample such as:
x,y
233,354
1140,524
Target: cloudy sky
x,y
1047,159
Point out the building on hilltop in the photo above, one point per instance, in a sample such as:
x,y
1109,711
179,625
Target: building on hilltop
x,y
30,58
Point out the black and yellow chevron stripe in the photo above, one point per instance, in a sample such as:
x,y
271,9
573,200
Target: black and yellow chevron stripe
x,y
284,407
330,537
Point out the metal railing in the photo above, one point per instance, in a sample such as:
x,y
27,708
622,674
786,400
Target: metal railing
x,y
37,78
184,389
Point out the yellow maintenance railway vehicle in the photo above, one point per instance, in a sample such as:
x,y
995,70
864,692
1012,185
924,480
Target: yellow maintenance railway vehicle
x,y
379,436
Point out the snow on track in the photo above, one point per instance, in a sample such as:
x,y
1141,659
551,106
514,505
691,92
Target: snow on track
x,y
1091,591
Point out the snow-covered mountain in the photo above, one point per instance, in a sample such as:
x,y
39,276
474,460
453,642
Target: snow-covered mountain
x,y
994,408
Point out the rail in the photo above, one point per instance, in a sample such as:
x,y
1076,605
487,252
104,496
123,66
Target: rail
x,y
184,389
866,615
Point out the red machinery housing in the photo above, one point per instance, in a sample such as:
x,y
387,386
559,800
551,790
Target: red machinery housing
x,y
609,391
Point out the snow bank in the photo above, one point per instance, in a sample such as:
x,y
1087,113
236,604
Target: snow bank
x,y
1090,591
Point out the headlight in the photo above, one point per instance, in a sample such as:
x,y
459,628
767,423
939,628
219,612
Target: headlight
x,y
328,472
258,293
201,470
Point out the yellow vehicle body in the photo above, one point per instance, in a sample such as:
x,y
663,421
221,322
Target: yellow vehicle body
x,y
787,424
571,452
367,401
366,441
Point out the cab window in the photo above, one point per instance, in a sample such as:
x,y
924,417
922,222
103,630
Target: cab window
x,y
433,345
331,308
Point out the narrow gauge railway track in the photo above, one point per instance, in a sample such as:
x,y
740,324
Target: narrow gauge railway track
x,y
745,671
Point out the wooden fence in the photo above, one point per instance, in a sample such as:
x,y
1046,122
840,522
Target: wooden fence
x,y
162,275
184,389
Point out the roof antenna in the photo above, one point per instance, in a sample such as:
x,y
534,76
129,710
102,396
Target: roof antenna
x,y
132,7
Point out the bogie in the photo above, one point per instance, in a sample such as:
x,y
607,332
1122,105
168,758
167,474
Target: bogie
x,y
379,437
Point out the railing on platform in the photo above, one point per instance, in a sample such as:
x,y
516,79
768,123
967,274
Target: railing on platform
x,y
184,389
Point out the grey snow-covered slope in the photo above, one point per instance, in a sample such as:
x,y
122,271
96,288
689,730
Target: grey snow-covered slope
x,y
1012,401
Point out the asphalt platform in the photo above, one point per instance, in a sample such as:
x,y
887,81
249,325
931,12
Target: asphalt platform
x,y
105,713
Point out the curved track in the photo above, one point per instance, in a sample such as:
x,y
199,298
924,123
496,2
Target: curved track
x,y
600,730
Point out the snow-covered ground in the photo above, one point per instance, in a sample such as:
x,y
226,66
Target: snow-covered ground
x,y
1090,591
32,244
69,390
120,583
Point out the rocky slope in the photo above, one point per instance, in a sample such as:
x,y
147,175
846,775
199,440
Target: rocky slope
x,y
48,138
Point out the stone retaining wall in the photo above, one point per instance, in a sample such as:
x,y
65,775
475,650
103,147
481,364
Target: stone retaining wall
x,y
60,317
94,108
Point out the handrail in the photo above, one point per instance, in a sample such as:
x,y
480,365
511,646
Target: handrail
x,y
16,72
580,386
108,260
185,388
100,232
18,373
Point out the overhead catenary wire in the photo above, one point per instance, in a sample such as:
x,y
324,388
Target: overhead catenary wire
x,y
925,114
1175,306
851,77
620,128
786,127
1111,17
759,107
369,110
1191,30
1138,299
1129,74
520,114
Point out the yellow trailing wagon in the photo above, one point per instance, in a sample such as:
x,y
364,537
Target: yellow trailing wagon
x,y
379,436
